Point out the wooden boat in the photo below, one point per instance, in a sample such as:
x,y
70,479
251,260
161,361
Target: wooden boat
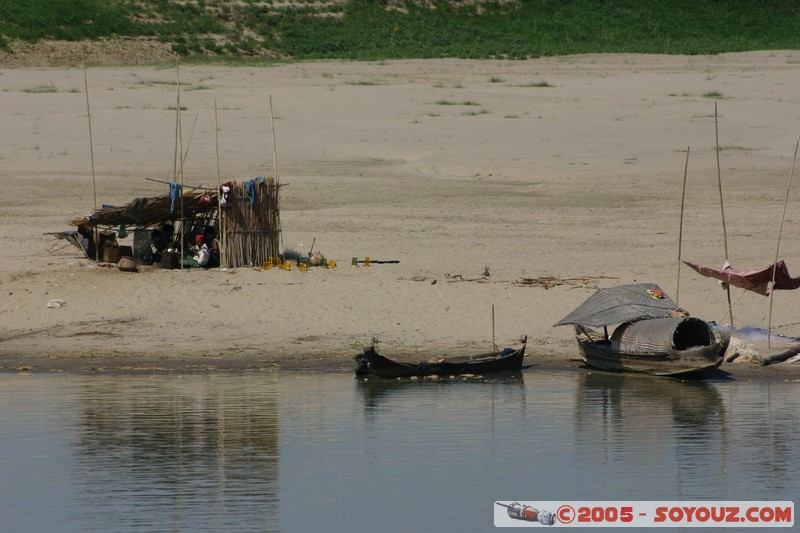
x,y
371,362
652,335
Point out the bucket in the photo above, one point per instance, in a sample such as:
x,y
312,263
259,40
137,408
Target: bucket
x,y
170,260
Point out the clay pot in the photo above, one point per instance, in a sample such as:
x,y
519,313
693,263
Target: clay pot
x,y
127,264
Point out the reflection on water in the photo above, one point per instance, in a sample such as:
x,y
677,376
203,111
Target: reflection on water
x,y
184,446
252,452
678,427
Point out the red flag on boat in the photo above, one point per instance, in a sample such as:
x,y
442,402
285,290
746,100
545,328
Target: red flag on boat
x,y
756,280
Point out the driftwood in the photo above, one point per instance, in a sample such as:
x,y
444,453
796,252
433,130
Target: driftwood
x,y
455,278
780,357
548,282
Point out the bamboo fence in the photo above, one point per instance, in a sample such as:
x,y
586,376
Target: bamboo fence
x,y
251,227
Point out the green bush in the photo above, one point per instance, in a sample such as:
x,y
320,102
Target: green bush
x,y
369,30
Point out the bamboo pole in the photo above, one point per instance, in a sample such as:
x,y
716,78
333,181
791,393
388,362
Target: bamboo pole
x,y
722,210
275,165
180,151
220,233
175,151
274,142
680,228
778,247
494,344
91,153
189,144
188,186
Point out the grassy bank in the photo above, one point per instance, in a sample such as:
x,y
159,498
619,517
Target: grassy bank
x,y
375,29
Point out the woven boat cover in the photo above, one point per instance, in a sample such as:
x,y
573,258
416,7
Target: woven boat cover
x,y
624,303
662,335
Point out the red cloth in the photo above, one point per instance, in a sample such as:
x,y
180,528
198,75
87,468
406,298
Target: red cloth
x,y
756,280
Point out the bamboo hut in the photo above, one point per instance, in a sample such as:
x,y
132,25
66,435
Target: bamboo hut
x,y
245,216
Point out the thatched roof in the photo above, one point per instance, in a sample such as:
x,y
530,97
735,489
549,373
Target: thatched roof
x,y
152,211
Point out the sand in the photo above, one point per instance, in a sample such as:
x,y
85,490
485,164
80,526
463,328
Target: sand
x,y
570,168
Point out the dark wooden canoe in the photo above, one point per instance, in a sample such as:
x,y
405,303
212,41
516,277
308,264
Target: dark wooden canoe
x,y
371,362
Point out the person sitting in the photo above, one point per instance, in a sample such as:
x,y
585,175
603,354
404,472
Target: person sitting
x,y
210,237
150,251
198,257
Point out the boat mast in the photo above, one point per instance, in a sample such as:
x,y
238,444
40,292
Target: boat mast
x,y
778,247
722,210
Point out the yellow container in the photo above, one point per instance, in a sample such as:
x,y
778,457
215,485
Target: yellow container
x,y
331,263
303,266
366,261
267,265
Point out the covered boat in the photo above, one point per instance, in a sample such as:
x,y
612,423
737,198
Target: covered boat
x,y
371,362
652,335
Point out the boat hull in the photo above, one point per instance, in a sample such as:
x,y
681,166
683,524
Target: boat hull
x,y
693,361
370,362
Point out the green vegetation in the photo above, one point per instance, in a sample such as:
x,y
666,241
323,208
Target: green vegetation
x,y
373,30
474,113
450,102
41,89
736,148
366,82
537,84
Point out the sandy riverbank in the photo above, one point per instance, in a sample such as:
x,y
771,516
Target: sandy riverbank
x,y
566,167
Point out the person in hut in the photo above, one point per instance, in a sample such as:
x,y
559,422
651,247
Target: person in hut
x,y
168,232
86,240
199,255
210,237
151,250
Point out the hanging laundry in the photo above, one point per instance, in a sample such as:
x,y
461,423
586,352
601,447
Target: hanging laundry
x,y
250,187
225,194
174,194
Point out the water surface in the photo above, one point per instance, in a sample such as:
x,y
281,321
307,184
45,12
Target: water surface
x,y
323,452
